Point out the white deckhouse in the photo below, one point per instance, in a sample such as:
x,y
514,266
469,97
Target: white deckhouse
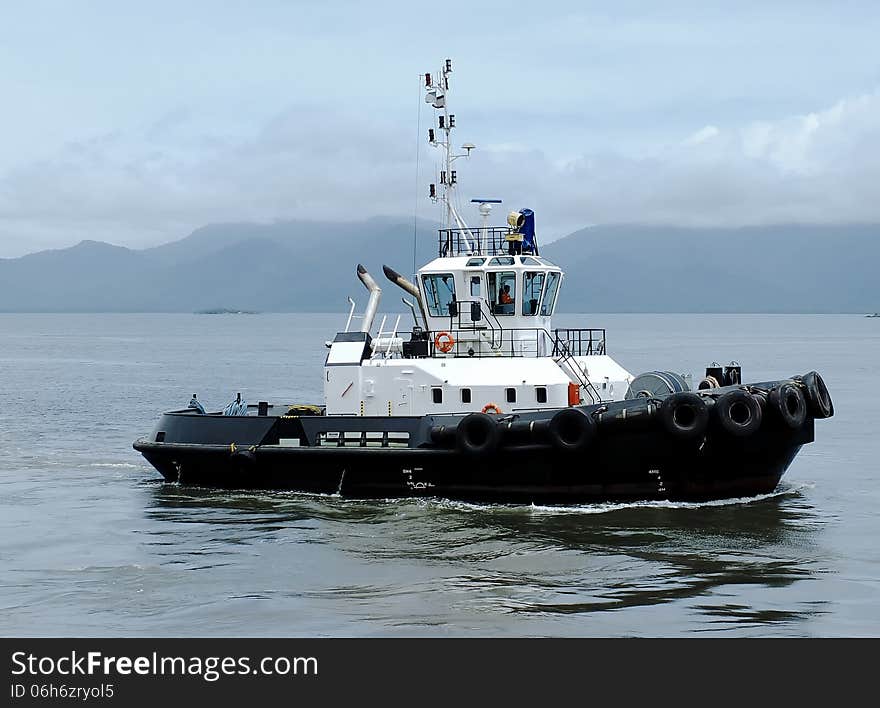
x,y
482,338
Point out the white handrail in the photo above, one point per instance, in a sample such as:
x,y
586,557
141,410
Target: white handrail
x,y
350,314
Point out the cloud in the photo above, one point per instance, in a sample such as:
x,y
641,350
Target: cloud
x,y
315,162
154,186
702,135
822,167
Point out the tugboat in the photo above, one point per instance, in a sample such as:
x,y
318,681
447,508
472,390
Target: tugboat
x,y
483,400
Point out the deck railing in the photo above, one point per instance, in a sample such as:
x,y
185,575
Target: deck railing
x,y
490,241
579,342
486,342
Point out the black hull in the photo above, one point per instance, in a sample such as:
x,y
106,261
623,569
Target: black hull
x,y
636,461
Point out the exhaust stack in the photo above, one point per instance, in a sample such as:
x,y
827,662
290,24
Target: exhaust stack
x,y
409,287
375,296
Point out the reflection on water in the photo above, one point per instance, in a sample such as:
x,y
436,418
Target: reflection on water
x,y
530,562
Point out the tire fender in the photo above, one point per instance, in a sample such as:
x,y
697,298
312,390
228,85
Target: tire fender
x,y
572,430
684,415
477,434
789,404
738,413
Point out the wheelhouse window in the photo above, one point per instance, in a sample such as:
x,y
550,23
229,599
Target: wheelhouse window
x,y
475,262
475,286
510,395
541,394
439,293
549,303
465,395
502,292
502,261
437,395
533,284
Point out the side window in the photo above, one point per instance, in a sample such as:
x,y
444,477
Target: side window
x,y
502,292
465,395
533,283
510,395
549,303
437,395
439,293
541,394
475,287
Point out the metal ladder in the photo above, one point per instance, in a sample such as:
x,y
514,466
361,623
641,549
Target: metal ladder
x,y
390,334
566,361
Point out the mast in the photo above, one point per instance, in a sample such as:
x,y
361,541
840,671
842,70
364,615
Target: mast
x,y
437,95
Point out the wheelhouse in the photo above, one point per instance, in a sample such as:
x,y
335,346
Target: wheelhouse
x,y
477,290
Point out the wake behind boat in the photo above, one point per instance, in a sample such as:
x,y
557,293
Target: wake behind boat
x,y
482,399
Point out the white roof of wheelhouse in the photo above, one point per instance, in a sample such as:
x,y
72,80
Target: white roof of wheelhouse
x,y
445,264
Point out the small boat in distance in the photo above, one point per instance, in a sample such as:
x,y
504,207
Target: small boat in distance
x,y
481,398
226,311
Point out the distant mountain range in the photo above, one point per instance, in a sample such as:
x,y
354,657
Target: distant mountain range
x,y
310,267
290,266
790,268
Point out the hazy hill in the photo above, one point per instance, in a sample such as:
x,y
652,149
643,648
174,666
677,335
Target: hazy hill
x,y
756,269
310,266
91,276
267,267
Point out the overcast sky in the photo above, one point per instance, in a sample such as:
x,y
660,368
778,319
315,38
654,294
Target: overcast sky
x,y
135,123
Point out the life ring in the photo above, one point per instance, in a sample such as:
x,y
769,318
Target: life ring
x,y
496,410
444,341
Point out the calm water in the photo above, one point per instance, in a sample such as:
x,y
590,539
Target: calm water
x,y
92,543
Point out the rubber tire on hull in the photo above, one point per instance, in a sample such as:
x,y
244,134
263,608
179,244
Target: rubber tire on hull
x,y
684,415
738,413
789,404
818,399
244,466
572,430
477,435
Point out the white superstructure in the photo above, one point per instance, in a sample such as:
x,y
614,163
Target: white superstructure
x,y
482,332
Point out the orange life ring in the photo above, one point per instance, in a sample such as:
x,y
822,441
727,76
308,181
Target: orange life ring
x,y
444,342
492,407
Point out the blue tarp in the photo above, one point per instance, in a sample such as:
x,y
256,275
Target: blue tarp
x,y
528,230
